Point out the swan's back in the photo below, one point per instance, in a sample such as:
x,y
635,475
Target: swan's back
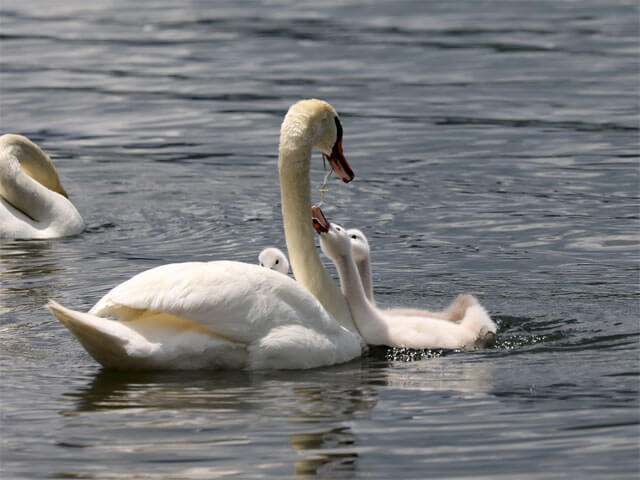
x,y
236,300
210,315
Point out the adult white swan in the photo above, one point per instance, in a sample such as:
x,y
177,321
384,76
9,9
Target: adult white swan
x,y
33,202
379,328
232,314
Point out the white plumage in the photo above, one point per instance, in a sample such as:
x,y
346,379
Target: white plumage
x,y
412,330
198,315
231,314
361,253
33,202
274,259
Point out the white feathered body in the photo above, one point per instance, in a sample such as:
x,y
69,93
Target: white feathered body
x,y
210,315
33,203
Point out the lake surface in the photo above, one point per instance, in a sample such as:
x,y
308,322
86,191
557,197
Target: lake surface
x,y
495,146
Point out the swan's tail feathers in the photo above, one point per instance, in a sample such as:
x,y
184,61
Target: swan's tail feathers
x,y
109,342
477,320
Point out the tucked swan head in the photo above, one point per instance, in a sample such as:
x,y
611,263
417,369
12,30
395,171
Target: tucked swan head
x,y
33,202
274,259
32,160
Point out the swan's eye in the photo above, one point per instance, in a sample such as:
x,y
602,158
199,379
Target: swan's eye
x,y
338,130
261,264
338,229
277,261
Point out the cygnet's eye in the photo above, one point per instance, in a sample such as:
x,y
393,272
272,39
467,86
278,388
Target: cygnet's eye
x,y
277,261
261,264
354,237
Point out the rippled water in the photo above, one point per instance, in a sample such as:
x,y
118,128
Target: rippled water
x,y
495,146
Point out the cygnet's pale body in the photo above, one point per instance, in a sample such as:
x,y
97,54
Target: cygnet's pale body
x,y
274,259
379,328
361,253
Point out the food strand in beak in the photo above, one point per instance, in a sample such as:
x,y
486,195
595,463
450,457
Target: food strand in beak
x,y
323,187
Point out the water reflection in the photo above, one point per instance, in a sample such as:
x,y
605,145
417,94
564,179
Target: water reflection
x,y
326,451
26,258
313,409
26,268
208,414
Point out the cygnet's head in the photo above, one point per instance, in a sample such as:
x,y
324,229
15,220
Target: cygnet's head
x,y
334,239
274,259
335,242
359,245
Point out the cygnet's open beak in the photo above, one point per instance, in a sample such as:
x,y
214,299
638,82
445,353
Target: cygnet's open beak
x,y
320,222
337,160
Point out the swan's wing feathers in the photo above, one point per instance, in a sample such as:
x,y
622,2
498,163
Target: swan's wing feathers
x,y
151,341
236,301
109,342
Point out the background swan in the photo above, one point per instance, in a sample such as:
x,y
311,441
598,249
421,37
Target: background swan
x,y
361,253
378,328
274,259
33,202
232,314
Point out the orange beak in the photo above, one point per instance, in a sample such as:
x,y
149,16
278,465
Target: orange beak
x,y
320,222
340,164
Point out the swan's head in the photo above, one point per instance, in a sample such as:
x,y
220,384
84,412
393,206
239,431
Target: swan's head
x,y
359,245
334,239
274,259
315,123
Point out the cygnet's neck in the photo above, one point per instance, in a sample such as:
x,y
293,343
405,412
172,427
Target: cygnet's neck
x,y
366,316
364,270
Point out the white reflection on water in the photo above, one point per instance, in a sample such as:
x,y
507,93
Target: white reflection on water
x,y
211,414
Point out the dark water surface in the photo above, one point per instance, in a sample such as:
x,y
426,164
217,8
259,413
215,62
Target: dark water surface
x,y
495,146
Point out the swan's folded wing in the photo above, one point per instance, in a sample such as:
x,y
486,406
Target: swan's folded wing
x,y
236,301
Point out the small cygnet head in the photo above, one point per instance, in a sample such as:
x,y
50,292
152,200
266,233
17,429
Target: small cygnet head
x,y
359,245
274,259
334,240
335,243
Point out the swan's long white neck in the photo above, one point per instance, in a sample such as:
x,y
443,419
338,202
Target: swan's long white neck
x,y
294,164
